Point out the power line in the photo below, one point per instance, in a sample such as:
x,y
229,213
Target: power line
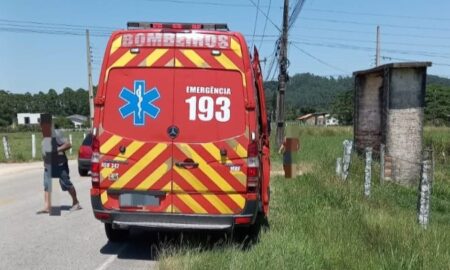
x,y
371,41
254,26
265,15
318,59
371,49
410,60
371,33
202,3
265,25
377,14
59,24
374,24
295,12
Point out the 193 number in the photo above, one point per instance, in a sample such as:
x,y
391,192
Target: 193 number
x,y
205,108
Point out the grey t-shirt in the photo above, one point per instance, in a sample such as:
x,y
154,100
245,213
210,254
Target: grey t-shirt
x,y
56,140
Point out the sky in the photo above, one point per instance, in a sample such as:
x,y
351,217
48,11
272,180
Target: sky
x,y
43,43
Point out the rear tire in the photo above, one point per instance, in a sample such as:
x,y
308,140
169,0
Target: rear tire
x,y
115,235
82,172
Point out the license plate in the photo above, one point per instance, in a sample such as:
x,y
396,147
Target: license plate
x,y
135,199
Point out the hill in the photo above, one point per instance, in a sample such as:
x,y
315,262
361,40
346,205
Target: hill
x,y
307,92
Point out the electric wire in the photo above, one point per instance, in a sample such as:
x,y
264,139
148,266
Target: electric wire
x,y
266,16
255,24
377,14
265,26
318,59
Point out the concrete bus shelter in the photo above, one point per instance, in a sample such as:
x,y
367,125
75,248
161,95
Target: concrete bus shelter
x,y
389,105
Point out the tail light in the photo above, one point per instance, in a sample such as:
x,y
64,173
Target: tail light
x,y
84,152
252,168
95,162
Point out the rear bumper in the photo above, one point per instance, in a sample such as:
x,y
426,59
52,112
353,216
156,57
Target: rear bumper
x,y
84,164
169,221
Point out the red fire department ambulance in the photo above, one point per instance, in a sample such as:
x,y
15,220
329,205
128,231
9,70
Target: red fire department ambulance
x,y
180,130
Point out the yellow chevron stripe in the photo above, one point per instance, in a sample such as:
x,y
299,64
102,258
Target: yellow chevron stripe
x,y
104,197
214,151
122,61
195,58
167,187
205,168
178,63
154,56
168,209
155,176
191,179
189,201
236,47
241,151
175,209
131,149
116,45
139,166
109,144
218,204
241,177
239,199
228,64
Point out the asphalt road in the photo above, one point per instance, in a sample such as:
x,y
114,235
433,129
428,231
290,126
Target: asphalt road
x,y
73,240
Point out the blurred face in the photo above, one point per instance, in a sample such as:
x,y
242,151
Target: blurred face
x,y
46,129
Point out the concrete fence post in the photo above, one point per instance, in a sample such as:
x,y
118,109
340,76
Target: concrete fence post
x,y
346,159
33,145
339,167
368,172
382,152
425,189
70,140
6,148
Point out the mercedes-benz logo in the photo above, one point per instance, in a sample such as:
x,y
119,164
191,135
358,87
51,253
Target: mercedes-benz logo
x,y
173,131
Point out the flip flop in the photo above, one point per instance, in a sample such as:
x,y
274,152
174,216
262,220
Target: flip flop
x,y
43,211
75,207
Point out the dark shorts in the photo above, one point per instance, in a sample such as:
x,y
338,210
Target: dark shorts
x,y
64,178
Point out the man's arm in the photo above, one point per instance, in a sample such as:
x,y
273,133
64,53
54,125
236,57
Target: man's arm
x,y
64,147
63,142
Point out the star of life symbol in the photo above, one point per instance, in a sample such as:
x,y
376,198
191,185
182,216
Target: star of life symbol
x,y
139,102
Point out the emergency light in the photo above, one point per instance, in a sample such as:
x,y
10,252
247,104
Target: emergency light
x,y
179,26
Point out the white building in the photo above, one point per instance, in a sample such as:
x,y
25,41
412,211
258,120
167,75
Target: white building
x,y
332,121
77,120
28,118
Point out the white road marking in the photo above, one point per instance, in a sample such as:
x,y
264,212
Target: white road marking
x,y
111,259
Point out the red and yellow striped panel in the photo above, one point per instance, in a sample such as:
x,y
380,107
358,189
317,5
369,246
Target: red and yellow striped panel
x,y
230,59
144,166
212,187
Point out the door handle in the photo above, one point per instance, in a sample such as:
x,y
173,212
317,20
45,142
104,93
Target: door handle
x,y
187,164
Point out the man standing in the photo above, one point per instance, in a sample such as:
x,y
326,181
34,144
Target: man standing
x,y
56,164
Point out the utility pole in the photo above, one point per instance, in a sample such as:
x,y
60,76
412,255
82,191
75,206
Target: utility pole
x,y
377,53
282,78
89,68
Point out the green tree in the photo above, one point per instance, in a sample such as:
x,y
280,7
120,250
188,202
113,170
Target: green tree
x,y
437,110
343,108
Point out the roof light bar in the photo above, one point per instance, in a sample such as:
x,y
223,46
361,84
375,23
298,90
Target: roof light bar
x,y
185,26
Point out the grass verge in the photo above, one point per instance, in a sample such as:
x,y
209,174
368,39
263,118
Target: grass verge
x,y
319,222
